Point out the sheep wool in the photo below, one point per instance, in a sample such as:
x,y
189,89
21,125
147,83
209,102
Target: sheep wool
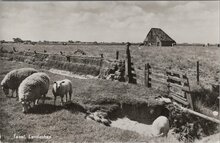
x,y
13,79
61,88
32,88
161,126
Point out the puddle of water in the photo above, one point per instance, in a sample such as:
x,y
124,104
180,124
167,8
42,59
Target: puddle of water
x,y
127,124
70,74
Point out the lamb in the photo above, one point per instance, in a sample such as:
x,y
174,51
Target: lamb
x,y
160,126
61,88
13,79
32,89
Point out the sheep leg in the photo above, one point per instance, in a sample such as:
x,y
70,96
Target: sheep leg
x,y
70,95
44,97
12,92
36,102
54,100
61,100
66,97
17,94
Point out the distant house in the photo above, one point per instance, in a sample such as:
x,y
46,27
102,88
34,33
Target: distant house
x,y
158,37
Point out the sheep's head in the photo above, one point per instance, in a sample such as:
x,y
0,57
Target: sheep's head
x,y
5,89
25,106
58,84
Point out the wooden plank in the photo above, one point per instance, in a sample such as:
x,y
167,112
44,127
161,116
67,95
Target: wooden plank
x,y
178,79
159,75
171,72
168,76
178,96
157,68
180,100
152,80
198,114
189,98
184,88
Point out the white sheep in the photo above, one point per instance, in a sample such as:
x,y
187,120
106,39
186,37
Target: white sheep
x,y
160,126
61,88
32,89
13,79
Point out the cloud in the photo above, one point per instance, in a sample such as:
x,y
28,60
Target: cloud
x,y
109,21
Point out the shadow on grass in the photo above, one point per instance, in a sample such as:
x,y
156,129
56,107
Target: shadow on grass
x,y
49,108
44,109
74,107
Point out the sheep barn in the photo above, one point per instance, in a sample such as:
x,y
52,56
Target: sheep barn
x,y
157,37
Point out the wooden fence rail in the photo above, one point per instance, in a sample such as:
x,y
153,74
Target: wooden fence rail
x,y
177,83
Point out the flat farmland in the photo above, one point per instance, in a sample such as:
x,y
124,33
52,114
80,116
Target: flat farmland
x,y
179,58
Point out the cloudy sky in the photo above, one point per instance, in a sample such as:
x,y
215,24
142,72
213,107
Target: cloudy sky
x,y
184,21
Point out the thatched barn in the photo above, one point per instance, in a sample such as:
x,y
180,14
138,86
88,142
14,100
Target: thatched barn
x,y
158,37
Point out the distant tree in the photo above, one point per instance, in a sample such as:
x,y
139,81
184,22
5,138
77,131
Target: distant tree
x,y
70,41
95,42
18,40
2,41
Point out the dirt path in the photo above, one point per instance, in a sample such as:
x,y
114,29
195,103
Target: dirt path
x,y
70,74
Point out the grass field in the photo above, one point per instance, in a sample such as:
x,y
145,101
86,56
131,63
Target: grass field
x,y
179,58
68,123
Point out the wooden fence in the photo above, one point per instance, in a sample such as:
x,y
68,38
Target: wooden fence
x,y
175,83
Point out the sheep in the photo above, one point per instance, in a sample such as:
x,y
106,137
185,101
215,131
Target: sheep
x,y
13,79
160,126
61,88
32,89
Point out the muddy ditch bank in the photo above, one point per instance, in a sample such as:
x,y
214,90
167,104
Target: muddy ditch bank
x,y
138,116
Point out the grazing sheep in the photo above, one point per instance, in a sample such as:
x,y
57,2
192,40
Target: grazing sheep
x,y
32,89
160,126
13,79
61,88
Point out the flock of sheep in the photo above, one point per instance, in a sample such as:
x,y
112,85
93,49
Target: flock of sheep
x,y
31,86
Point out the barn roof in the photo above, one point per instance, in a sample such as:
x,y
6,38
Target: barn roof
x,y
161,34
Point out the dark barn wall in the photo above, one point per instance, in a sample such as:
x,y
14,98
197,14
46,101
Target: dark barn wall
x,y
151,38
167,43
158,42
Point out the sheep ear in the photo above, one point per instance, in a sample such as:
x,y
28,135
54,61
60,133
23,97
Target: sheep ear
x,y
54,82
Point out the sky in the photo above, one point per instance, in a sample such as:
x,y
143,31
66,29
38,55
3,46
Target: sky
x,y
110,21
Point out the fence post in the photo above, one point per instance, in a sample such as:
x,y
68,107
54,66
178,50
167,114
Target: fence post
x,y
147,75
197,72
101,55
117,55
219,99
128,64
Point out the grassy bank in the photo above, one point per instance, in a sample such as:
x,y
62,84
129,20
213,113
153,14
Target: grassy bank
x,y
68,123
